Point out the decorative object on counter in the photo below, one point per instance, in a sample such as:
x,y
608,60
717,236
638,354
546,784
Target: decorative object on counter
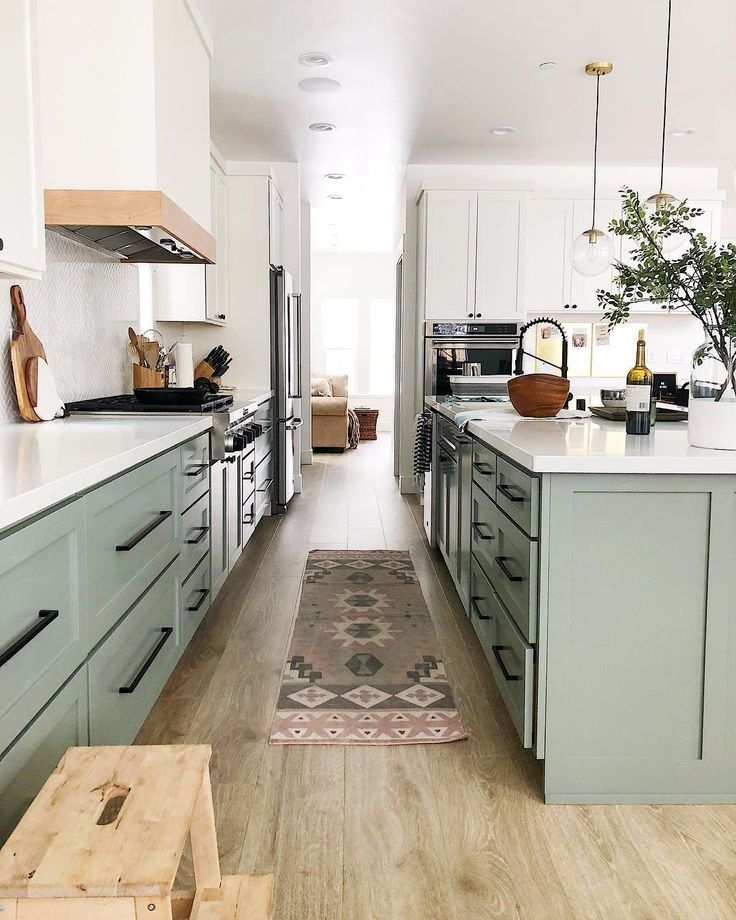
x,y
641,409
367,419
364,665
614,399
618,413
539,395
592,250
38,399
149,371
700,280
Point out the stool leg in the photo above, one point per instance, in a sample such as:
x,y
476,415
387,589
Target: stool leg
x,y
204,838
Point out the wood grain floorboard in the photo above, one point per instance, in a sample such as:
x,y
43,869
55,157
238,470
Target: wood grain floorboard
x,y
456,831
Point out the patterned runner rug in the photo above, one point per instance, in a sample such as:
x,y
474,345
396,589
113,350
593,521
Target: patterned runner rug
x,y
364,665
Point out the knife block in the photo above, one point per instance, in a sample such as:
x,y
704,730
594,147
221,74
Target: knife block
x,y
145,377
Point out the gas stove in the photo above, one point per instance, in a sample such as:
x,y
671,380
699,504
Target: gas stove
x,y
128,404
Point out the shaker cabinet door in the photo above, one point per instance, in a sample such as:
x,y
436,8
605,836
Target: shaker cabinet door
x,y
500,256
448,257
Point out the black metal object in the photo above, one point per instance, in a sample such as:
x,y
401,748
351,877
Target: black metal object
x,y
497,649
204,595
483,468
507,493
519,363
501,562
203,531
476,609
197,467
477,529
166,633
142,534
45,618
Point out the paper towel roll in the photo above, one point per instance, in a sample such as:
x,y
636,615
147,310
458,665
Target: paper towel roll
x,y
184,364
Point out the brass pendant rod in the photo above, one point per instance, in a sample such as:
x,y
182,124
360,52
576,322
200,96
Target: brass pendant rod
x,y
595,144
666,85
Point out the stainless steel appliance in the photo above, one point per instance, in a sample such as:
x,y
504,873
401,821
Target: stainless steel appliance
x,y
285,382
450,346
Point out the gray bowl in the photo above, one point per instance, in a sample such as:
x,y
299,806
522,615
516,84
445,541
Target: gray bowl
x,y
614,399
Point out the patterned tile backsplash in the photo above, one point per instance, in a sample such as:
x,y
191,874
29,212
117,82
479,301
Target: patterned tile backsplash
x,y
80,309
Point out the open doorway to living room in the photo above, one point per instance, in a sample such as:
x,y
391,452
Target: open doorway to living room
x,y
353,316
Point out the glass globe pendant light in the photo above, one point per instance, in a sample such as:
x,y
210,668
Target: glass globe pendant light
x,y
592,251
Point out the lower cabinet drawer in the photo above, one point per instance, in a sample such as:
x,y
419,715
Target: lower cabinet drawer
x,y
129,670
510,657
517,493
484,468
30,760
195,469
264,486
195,535
194,601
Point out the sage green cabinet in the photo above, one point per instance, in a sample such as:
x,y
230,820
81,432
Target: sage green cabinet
x,y
194,600
195,535
195,470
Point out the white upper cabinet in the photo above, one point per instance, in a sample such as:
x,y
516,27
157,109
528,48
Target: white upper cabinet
x,y
500,253
216,306
125,99
447,239
275,224
22,249
549,240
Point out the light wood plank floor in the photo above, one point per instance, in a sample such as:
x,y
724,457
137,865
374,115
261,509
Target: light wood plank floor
x,y
424,831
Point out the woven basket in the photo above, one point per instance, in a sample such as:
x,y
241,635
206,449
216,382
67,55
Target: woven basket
x,y
368,419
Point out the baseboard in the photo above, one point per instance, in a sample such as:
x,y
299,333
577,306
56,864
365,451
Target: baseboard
x,y
298,483
307,458
408,485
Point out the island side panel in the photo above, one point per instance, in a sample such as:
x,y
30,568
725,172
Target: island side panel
x,y
637,663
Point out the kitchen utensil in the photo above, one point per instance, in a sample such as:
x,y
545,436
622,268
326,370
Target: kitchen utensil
x,y
538,395
618,414
147,378
171,396
38,399
135,342
614,399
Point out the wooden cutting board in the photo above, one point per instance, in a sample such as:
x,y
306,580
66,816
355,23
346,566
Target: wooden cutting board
x,y
35,389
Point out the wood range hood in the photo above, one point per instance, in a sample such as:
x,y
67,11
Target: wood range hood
x,y
135,225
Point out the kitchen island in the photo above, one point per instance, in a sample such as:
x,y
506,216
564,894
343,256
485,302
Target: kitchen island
x,y
597,571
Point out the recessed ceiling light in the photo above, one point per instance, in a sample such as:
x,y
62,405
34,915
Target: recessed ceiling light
x,y
683,132
322,127
315,59
334,175
548,65
335,197
318,85
503,131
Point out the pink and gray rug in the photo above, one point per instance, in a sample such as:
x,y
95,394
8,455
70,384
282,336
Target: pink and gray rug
x,y
364,665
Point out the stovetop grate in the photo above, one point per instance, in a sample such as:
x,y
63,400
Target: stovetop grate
x,y
128,403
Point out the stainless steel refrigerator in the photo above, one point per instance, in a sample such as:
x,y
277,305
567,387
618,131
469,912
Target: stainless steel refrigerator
x,y
285,382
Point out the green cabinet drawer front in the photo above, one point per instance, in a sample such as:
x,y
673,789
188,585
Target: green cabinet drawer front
x,y
484,468
137,657
140,511
195,534
43,627
250,516
30,760
509,560
195,601
517,494
248,472
195,469
264,485
510,657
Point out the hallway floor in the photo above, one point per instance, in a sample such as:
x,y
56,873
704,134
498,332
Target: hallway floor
x,y
423,831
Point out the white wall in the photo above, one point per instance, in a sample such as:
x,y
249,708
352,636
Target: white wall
x,y
363,277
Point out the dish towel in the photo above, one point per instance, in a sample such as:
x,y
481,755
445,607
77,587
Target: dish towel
x,y
422,443
504,416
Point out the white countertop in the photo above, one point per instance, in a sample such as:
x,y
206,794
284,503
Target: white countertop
x,y
48,462
248,397
590,445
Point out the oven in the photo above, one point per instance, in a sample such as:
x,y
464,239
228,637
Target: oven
x,y
449,346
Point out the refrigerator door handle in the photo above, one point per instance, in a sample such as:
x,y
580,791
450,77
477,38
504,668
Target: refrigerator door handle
x,y
295,329
294,423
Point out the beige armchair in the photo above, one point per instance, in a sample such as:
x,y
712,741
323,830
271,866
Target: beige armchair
x,y
330,415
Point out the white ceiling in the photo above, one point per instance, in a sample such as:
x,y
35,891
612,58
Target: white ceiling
x,y
423,81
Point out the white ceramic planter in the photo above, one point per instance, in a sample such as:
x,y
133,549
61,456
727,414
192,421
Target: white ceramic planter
x,y
712,424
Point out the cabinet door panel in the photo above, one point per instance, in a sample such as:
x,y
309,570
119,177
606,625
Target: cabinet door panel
x,y
234,505
219,525
498,280
449,258
549,239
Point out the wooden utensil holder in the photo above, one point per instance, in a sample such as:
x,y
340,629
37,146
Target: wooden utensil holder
x,y
145,377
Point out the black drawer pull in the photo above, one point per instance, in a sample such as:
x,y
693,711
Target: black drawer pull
x,y
477,525
476,609
205,593
507,493
203,531
45,618
497,649
250,517
250,476
501,561
141,535
483,468
266,485
166,631
198,468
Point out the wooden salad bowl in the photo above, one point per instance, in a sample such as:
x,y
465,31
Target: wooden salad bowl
x,y
538,395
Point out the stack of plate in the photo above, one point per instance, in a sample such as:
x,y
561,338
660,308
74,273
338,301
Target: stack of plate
x,y
488,385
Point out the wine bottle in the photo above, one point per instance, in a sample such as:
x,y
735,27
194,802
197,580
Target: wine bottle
x,y
639,383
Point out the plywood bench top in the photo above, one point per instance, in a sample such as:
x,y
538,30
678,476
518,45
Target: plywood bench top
x,y
108,822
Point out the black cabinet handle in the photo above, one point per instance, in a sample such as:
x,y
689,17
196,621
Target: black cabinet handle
x,y
497,649
250,476
197,467
142,534
205,593
507,493
476,609
249,518
45,618
501,561
483,468
166,631
266,485
477,525
203,531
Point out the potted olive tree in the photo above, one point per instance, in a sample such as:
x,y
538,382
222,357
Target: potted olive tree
x,y
673,265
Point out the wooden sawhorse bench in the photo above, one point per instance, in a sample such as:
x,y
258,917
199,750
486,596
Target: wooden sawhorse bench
x,y
104,837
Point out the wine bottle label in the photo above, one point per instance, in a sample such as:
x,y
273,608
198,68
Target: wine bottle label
x,y
638,398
